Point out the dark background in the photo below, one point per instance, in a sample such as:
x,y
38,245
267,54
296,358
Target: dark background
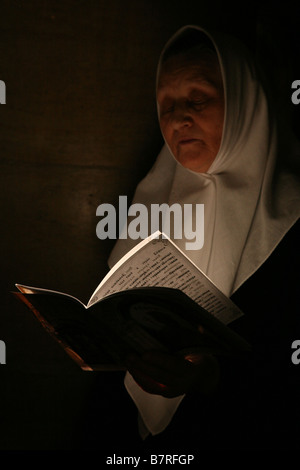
x,y
79,129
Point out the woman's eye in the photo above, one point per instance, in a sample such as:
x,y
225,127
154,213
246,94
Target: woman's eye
x,y
198,103
169,109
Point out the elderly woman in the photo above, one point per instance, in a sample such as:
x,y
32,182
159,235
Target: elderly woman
x,y
225,149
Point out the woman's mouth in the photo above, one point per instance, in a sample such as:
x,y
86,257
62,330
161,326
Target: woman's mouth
x,y
187,141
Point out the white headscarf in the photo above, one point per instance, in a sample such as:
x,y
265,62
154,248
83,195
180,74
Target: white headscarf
x,y
250,194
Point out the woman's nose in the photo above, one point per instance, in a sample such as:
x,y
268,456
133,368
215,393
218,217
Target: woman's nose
x,y
182,116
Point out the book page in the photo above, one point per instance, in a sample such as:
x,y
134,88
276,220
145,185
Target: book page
x,y
38,290
160,263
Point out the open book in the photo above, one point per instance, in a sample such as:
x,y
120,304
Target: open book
x,y
155,297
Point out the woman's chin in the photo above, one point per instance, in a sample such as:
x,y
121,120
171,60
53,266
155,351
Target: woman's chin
x,y
199,163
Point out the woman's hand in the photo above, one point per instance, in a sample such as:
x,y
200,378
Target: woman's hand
x,y
169,375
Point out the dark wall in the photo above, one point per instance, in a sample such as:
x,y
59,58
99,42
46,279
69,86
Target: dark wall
x,y
78,129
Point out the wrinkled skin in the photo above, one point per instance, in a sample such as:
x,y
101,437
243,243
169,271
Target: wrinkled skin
x,y
190,101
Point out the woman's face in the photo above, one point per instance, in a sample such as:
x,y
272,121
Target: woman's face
x,y
191,110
